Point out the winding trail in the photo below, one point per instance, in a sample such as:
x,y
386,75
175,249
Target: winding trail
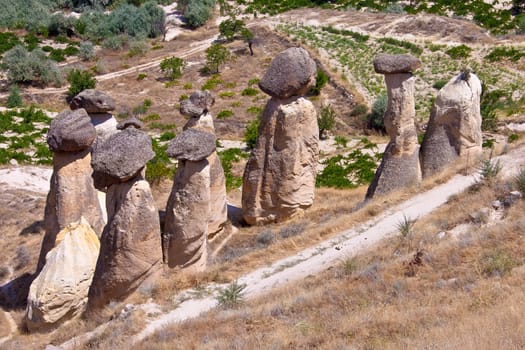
x,y
322,256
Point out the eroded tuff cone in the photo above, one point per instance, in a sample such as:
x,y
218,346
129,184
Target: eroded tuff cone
x,y
279,178
291,73
193,145
71,131
130,122
123,154
72,193
60,290
400,164
184,240
454,128
392,64
199,103
93,101
218,198
130,246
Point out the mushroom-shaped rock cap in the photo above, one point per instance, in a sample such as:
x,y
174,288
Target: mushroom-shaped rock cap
x,y
192,144
198,104
123,154
71,131
292,72
391,64
130,122
93,101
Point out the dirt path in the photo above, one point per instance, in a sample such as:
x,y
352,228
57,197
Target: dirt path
x,y
318,258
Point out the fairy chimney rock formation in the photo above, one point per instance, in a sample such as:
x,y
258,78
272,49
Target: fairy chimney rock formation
x,y
198,104
197,107
99,106
279,178
72,193
400,164
454,129
130,246
60,290
184,240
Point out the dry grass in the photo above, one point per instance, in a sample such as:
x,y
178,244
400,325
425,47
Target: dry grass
x,y
456,298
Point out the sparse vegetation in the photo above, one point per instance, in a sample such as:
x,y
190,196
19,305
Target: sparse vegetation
x,y
14,99
231,296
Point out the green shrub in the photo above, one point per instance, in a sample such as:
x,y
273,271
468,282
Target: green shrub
x,y
172,67
255,110
230,27
183,97
231,296
14,99
251,133
490,169
187,86
86,51
228,157
253,81
151,117
320,81
341,141
166,136
499,53
375,118
197,12
57,55
459,52
416,50
490,102
138,48
357,168
439,84
142,76
162,127
8,40
79,81
354,35
359,110
326,120
249,91
225,114
160,166
513,138
211,84
226,94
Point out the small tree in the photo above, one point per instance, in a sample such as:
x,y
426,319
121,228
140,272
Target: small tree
x,y
375,118
326,120
14,100
248,37
230,27
252,132
320,81
216,55
79,81
172,67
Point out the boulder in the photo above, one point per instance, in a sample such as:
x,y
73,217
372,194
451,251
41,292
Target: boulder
x,y
291,73
130,246
279,178
454,129
199,103
392,64
399,166
123,154
192,144
71,131
60,290
93,101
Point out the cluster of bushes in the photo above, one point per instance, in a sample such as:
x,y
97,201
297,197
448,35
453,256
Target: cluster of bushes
x,y
196,12
25,66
